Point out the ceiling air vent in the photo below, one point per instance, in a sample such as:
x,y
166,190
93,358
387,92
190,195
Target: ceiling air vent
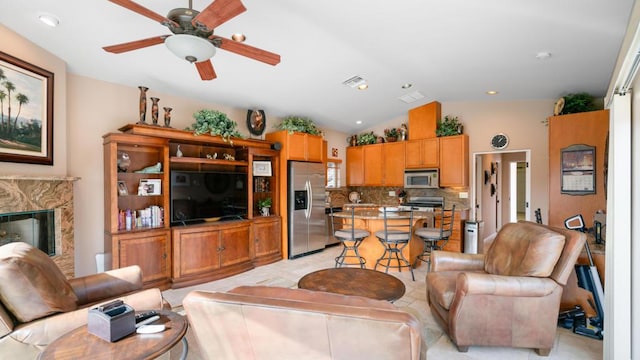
x,y
411,97
354,81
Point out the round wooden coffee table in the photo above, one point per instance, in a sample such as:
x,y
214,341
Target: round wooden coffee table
x,y
354,281
80,344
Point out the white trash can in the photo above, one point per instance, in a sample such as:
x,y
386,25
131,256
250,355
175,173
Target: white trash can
x,y
472,230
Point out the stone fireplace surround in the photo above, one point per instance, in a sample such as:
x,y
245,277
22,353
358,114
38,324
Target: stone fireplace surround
x,y
32,193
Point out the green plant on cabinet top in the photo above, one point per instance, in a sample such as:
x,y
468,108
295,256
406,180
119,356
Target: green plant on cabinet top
x,y
298,124
448,127
215,123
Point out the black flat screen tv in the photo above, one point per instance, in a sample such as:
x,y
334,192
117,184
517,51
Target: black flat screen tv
x,y
197,196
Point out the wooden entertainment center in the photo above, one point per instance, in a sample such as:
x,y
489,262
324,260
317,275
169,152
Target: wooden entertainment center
x,y
185,254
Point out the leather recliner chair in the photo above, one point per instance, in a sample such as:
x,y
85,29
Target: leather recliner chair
x,y
509,296
38,304
263,322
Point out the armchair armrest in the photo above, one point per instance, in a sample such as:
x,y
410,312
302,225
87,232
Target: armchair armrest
x,y
517,286
109,284
452,261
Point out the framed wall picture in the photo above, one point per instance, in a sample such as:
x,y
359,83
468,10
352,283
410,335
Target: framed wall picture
x,y
262,168
122,188
256,121
26,134
150,187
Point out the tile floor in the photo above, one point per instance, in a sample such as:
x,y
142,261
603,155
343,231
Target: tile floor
x,y
286,273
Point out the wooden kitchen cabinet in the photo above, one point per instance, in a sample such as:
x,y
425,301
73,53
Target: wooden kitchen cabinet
x,y
298,146
266,240
393,163
208,252
372,164
422,154
355,165
456,240
454,161
423,121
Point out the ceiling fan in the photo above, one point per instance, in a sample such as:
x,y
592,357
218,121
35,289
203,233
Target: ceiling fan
x,y
193,38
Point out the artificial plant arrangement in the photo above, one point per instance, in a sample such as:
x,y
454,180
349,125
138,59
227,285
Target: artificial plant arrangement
x,y
576,103
448,127
392,134
263,203
367,138
299,124
215,123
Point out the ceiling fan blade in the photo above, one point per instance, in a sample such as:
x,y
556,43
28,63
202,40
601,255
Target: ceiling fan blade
x,y
218,12
144,11
205,69
135,45
248,51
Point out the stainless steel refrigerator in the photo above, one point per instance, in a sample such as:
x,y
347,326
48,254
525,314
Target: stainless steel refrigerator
x,y
306,218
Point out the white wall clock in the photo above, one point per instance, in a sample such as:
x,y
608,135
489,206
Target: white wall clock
x,y
499,141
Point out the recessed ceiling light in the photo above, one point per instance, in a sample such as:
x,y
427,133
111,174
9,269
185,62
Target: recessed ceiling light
x,y
492,92
359,122
407,85
238,37
49,19
363,87
543,55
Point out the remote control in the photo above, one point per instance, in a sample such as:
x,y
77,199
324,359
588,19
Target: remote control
x,y
147,321
145,315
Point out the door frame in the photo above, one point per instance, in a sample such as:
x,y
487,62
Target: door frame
x,y
477,181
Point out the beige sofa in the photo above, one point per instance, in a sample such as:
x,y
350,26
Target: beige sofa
x,y
261,322
38,304
509,296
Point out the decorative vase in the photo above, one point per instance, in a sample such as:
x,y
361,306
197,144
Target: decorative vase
x,y
265,211
379,140
154,110
178,152
167,116
391,138
143,104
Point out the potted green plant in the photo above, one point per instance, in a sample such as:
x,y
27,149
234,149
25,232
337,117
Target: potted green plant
x,y
391,134
264,205
367,138
298,124
576,103
448,127
215,123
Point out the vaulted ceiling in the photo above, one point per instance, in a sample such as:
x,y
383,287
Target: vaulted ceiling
x,y
449,51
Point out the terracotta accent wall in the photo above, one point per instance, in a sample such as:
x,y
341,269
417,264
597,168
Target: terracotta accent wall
x,y
18,193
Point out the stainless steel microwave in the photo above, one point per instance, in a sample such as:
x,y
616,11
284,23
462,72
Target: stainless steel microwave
x,y
421,179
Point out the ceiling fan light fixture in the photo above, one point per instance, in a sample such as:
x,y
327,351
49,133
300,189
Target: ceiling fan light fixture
x,y
190,47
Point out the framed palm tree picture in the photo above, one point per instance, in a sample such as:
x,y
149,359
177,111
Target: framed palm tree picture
x,y
26,112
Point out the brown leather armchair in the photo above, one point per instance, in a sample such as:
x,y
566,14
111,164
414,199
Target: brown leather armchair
x,y
263,322
509,296
38,304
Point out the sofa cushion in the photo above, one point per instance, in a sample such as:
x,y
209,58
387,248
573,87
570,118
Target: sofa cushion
x,y
31,284
524,250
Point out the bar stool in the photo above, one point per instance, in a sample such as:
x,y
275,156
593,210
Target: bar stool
x,y
432,235
344,229
395,237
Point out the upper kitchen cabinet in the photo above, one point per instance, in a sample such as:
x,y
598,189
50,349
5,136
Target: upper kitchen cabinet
x,y
298,146
355,165
422,154
376,164
393,161
454,161
422,121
